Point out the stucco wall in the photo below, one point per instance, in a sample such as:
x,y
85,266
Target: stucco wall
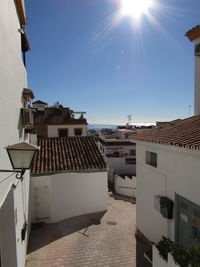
x,y
177,172
159,261
118,164
53,129
70,194
197,83
12,82
125,186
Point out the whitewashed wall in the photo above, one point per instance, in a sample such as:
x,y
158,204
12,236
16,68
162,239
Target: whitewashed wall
x,y
12,81
126,186
177,171
197,83
68,194
119,164
53,129
158,261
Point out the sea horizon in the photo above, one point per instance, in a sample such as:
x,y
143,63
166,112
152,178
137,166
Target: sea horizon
x,y
98,126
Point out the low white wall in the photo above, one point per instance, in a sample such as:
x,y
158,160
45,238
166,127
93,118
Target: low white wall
x,y
53,129
158,261
119,165
126,187
70,194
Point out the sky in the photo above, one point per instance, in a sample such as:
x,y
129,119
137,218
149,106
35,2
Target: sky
x,y
89,57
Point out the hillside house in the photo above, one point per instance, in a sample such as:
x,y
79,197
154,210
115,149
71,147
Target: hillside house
x,y
58,121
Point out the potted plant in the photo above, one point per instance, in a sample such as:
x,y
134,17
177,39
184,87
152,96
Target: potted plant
x,y
29,129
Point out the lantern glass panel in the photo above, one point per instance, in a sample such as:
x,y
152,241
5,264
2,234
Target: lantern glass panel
x,y
21,159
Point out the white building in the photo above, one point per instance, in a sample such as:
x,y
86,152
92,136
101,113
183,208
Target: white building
x,y
125,185
194,36
120,154
168,160
14,194
168,198
58,121
69,178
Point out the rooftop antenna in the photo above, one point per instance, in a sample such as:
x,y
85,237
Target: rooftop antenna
x,y
129,116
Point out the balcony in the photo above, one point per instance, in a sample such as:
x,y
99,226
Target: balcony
x,y
27,116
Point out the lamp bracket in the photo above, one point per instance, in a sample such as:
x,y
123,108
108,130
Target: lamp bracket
x,y
19,173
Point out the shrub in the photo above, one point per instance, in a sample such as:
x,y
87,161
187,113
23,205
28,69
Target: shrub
x,y
195,256
164,247
182,256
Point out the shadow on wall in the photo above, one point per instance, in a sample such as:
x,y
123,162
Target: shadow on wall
x,y
43,234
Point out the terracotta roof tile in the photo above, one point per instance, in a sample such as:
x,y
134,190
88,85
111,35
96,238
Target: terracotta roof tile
x,y
67,154
193,33
182,133
39,102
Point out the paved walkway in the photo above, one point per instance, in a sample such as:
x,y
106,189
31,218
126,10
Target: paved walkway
x,y
81,241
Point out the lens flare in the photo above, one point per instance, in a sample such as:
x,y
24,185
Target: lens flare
x,y
135,8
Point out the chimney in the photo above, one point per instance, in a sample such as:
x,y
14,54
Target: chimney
x,y
194,36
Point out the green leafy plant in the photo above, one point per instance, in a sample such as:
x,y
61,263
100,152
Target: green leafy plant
x,y
29,126
195,256
164,247
181,255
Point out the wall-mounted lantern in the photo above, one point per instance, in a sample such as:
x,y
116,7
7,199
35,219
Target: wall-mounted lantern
x,y
21,156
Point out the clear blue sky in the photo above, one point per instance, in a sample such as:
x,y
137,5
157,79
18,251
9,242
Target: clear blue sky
x,y
88,58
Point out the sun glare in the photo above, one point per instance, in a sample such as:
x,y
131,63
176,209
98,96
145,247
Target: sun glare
x,y
135,8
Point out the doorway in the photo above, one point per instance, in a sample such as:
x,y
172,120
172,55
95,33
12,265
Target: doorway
x,y
187,222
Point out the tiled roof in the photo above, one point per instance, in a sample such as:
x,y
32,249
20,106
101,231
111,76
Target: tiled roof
x,y
67,154
53,115
181,133
39,102
194,33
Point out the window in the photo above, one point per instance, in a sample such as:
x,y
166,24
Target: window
x,y
130,161
151,158
62,132
78,131
114,154
132,152
187,221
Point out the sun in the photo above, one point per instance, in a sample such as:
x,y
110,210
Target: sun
x,y
135,8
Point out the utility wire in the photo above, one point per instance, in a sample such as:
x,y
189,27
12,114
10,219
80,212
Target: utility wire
x,y
7,177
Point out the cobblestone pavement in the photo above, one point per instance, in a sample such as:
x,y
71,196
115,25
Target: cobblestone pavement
x,y
71,243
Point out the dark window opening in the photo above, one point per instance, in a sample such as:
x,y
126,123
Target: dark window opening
x,y
78,131
151,159
114,154
130,161
24,44
63,132
132,152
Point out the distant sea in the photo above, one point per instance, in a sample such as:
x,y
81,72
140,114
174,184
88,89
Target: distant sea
x,y
101,126
113,126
